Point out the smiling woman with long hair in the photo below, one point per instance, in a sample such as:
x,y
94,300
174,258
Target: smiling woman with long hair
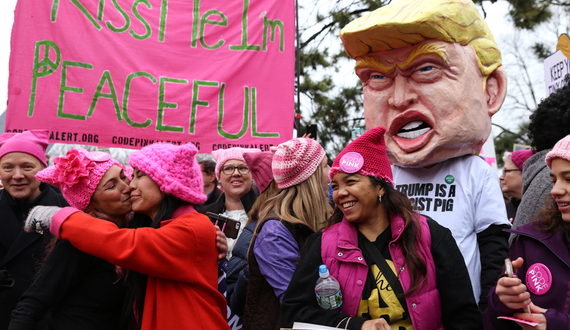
x,y
175,258
396,269
259,164
286,219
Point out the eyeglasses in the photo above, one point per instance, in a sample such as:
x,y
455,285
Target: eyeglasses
x,y
507,171
230,169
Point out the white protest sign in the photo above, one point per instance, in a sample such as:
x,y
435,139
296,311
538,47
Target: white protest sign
x,y
556,66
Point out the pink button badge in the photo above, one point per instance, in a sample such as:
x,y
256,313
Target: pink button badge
x,y
538,279
351,162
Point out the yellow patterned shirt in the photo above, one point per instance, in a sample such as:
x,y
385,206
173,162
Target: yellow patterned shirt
x,y
378,298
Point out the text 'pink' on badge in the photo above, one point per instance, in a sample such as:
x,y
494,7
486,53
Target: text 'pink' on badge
x,y
538,279
351,162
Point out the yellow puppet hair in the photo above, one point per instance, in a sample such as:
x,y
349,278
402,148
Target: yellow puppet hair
x,y
409,22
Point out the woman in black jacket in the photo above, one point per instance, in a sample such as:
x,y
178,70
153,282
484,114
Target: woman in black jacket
x,y
79,290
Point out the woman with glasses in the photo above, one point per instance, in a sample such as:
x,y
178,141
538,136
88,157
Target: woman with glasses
x,y
286,220
511,179
236,180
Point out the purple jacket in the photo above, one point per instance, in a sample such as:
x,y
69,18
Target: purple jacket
x,y
340,252
537,246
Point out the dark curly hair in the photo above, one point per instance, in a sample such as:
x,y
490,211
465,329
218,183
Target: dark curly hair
x,y
550,122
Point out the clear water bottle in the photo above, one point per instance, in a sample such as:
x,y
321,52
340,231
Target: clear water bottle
x,y
328,290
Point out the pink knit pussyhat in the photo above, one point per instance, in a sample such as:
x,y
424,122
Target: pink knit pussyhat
x,y
561,150
295,161
173,168
223,155
259,164
78,173
32,142
520,156
365,155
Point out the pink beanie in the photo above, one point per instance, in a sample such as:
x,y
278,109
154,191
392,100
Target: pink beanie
x,y
173,168
295,161
78,173
365,155
520,156
560,150
259,164
33,142
223,155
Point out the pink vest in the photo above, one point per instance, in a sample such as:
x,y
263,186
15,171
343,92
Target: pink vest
x,y
340,252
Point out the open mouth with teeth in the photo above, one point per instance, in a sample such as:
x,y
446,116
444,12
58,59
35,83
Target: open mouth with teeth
x,y
413,130
348,205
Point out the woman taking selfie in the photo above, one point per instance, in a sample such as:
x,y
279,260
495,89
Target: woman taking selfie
x,y
78,290
179,256
396,269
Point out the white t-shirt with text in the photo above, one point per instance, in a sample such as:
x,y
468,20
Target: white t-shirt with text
x,y
462,194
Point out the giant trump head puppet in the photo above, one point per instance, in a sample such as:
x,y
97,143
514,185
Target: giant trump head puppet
x,y
431,74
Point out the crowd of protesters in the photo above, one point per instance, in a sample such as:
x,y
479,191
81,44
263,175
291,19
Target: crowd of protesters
x,y
239,239
133,251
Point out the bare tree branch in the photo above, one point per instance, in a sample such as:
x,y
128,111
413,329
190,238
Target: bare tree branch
x,y
560,3
329,26
505,130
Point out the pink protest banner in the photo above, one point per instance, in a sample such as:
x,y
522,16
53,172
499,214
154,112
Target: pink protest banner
x,y
127,73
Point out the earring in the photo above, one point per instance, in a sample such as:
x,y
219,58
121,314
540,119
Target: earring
x,y
380,198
